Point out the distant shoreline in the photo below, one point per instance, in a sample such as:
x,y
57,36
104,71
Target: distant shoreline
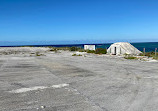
x,y
68,45
149,46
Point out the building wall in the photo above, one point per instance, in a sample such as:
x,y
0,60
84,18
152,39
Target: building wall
x,y
89,47
115,50
118,51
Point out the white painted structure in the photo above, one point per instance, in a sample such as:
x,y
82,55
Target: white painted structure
x,y
89,47
121,48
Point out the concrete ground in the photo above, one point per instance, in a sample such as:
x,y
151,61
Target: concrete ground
x,y
61,82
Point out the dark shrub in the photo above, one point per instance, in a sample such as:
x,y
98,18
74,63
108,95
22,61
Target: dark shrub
x,y
130,57
74,49
100,51
141,54
76,55
155,57
53,49
82,50
148,54
90,51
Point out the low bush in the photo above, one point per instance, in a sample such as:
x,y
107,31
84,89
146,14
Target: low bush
x,y
74,49
53,49
90,51
150,54
82,50
27,46
141,54
100,51
155,57
63,48
76,55
38,54
97,51
130,57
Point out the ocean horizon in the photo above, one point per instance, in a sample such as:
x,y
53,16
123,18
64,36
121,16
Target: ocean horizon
x,y
149,46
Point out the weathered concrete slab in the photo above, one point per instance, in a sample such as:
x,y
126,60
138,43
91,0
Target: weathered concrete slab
x,y
61,82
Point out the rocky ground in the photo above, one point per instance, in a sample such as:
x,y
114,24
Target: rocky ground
x,y
50,81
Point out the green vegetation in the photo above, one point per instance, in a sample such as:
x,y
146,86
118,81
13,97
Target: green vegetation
x,y
90,51
53,49
126,54
100,51
38,54
82,50
27,46
74,48
65,48
150,54
147,54
155,57
130,57
97,51
76,55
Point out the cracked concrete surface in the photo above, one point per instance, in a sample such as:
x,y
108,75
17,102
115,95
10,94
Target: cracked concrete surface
x,y
95,83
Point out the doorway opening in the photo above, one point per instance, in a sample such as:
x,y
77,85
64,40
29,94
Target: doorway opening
x,y
115,50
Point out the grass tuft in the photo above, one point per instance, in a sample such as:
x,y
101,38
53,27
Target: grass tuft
x,y
130,57
76,55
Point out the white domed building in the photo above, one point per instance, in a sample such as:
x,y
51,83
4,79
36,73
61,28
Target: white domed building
x,y
121,48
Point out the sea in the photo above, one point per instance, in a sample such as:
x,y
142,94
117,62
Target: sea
x,y
149,46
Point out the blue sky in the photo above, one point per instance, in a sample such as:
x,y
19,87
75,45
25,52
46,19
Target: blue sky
x,y
81,20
